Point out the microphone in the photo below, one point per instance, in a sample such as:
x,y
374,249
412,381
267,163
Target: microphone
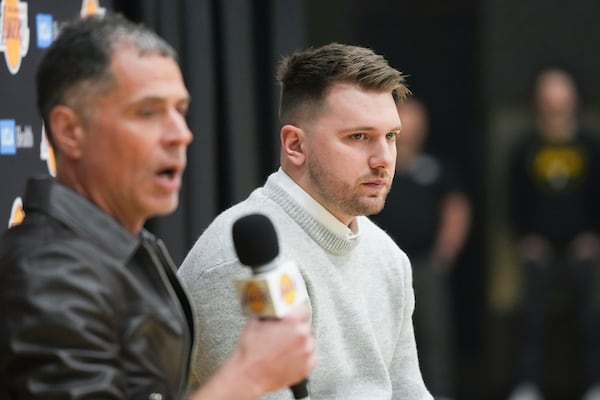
x,y
275,286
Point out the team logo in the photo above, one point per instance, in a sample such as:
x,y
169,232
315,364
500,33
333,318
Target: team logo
x,y
91,7
288,290
47,152
254,298
16,213
14,137
14,33
559,167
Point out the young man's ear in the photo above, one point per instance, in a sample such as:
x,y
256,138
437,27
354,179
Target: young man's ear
x,y
67,131
292,144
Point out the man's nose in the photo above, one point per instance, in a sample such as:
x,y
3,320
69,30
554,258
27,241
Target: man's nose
x,y
383,154
177,130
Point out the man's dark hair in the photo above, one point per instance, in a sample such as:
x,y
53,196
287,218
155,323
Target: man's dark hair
x,y
306,76
76,67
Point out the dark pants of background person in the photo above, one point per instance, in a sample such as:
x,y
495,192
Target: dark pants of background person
x,y
540,280
434,329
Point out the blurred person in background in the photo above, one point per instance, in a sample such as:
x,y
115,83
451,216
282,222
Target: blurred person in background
x,y
554,207
428,214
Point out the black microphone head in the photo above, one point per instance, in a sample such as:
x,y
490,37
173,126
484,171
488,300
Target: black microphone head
x,y
255,240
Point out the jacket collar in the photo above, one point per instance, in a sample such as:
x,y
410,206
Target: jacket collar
x,y
48,196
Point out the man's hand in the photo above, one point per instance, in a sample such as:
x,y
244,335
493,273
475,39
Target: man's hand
x,y
272,354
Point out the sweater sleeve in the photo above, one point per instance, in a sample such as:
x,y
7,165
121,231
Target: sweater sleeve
x,y
407,382
209,272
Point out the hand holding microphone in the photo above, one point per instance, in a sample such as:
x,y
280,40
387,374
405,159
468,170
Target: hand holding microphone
x,y
276,287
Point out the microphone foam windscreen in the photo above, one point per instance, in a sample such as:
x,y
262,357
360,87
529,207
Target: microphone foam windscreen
x,y
255,240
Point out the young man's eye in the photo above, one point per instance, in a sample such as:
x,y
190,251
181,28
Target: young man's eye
x,y
392,135
358,136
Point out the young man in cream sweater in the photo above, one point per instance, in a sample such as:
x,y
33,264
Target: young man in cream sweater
x,y
339,125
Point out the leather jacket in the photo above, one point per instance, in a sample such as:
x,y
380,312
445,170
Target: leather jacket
x,y
88,310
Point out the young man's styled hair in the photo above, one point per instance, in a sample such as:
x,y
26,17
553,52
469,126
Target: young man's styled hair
x,y
306,76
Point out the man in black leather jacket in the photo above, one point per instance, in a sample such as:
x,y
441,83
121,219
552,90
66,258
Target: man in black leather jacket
x,y
91,306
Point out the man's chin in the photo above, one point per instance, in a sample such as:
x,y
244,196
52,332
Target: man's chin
x,y
162,210
371,207
375,211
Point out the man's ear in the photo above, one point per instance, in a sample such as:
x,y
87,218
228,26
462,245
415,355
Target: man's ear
x,y
292,144
67,131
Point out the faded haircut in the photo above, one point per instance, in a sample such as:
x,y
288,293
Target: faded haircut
x,y
306,76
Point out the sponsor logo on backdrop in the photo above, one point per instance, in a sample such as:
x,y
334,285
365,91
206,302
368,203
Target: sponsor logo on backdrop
x,y
16,213
14,33
47,152
8,137
13,137
91,7
45,32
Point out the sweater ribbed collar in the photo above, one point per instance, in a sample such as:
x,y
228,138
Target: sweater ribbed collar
x,y
328,239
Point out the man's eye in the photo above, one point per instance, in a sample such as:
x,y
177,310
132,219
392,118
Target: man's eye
x,y
147,112
182,110
392,135
358,136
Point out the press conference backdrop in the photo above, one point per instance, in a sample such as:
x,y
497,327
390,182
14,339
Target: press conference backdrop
x,y
27,28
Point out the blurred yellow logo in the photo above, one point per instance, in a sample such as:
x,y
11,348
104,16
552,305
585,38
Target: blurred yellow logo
x,y
17,215
14,33
91,7
254,298
560,167
288,290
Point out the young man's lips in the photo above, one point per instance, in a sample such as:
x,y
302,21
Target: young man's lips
x,y
379,183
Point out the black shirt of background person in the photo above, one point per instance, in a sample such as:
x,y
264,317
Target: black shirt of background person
x,y
554,187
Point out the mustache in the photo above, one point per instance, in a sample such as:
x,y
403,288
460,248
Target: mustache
x,y
378,174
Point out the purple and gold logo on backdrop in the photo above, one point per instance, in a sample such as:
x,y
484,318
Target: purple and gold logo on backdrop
x,y
14,33
91,7
17,215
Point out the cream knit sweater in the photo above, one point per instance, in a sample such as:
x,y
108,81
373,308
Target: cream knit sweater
x,y
360,293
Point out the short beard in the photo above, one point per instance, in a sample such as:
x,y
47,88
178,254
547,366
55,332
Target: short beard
x,y
341,196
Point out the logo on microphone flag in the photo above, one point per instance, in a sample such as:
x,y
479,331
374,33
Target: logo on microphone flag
x,y
254,298
271,294
288,291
